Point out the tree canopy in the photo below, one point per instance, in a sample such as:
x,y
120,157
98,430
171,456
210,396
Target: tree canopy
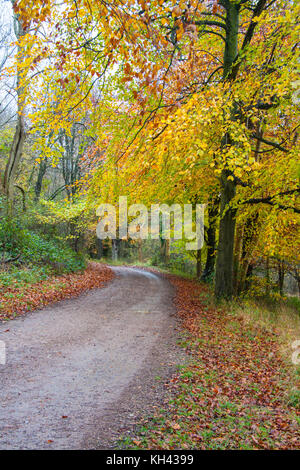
x,y
178,101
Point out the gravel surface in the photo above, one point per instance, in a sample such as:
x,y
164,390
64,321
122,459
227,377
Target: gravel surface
x,y
82,372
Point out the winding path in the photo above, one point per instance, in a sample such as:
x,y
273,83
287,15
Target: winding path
x,y
78,371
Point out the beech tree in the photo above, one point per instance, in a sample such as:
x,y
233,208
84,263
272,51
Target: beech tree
x,y
15,154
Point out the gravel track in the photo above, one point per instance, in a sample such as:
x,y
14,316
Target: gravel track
x,y
81,372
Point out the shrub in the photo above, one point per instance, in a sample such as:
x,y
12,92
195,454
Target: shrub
x,y
39,250
35,249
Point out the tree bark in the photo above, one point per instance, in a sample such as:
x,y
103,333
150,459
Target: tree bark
x,y
237,257
140,250
213,211
268,279
250,236
99,248
281,274
39,181
224,266
199,265
19,136
115,245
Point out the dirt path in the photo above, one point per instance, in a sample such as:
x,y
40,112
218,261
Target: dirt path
x,y
80,372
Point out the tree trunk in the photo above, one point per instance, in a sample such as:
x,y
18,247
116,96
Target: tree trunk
x,y
224,267
140,250
14,158
237,257
163,250
268,276
99,248
115,245
281,275
167,251
199,265
39,181
297,277
248,276
19,136
250,236
211,240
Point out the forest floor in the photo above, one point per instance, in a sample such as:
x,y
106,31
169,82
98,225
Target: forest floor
x,y
238,390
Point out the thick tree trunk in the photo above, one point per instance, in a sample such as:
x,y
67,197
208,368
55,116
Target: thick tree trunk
x,y
224,267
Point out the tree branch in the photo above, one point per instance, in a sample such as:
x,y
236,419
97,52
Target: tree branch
x,y
219,24
209,31
270,200
269,142
250,31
